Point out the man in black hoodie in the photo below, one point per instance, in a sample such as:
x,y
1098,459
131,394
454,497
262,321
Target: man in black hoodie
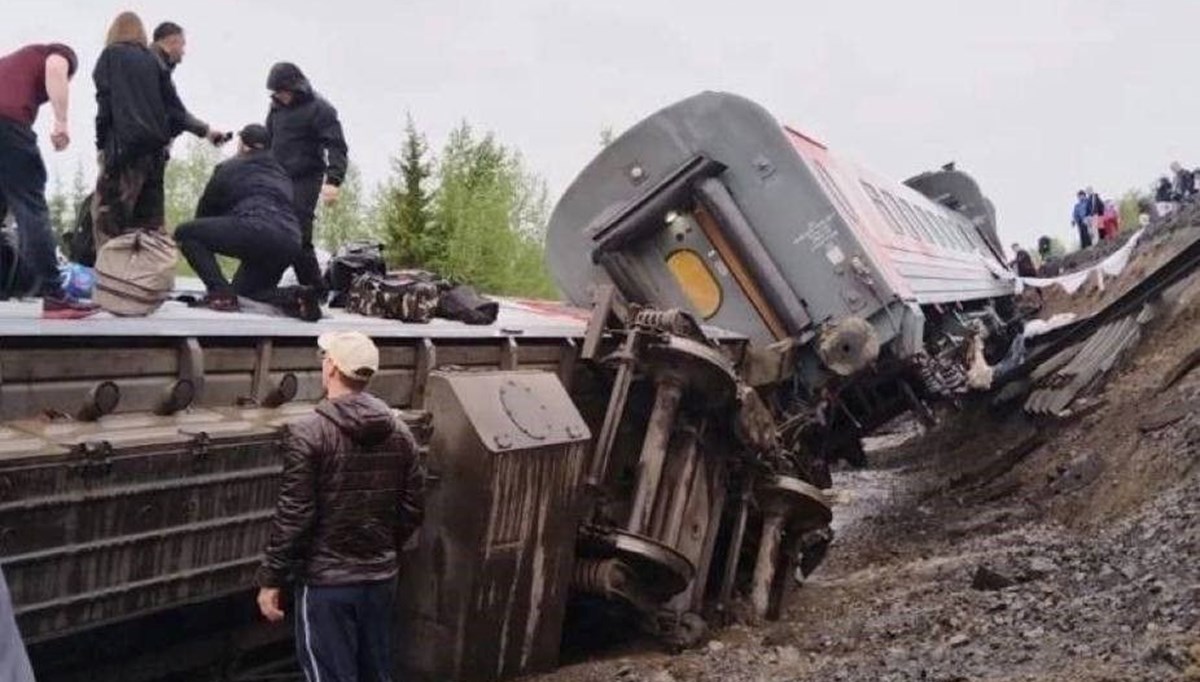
x,y
307,139
349,498
245,212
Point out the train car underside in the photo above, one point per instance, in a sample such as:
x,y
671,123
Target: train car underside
x,y
619,464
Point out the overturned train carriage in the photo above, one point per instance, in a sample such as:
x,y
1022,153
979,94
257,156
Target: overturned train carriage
x,y
856,292
655,461
566,462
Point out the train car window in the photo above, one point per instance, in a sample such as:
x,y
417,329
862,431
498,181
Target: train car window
x,y
934,236
883,209
696,281
906,216
943,236
832,188
971,233
959,238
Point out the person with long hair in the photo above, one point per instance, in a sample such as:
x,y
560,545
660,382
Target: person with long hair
x,y
136,106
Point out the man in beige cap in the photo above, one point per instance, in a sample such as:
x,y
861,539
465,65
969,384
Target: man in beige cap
x,y
350,496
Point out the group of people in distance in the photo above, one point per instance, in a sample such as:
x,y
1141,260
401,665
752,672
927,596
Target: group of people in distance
x,y
1094,218
258,207
1169,194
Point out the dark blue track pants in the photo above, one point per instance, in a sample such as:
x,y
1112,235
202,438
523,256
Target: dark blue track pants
x,y
343,633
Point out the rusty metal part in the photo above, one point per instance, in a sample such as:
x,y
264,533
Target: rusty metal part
x,y
848,346
699,367
102,399
659,571
755,424
790,507
624,359
672,499
485,593
668,392
1055,391
284,391
733,551
178,396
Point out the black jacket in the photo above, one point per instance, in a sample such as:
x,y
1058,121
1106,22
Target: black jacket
x,y
350,497
184,120
306,136
136,103
250,185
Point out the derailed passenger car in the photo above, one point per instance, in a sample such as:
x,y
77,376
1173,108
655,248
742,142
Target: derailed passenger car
x,y
633,464
857,292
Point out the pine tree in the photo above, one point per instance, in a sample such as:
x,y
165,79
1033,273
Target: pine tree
x,y
349,219
407,221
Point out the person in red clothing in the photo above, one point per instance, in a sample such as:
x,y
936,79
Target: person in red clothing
x,y
1110,221
32,76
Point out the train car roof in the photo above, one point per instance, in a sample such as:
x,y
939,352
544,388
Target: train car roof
x,y
520,318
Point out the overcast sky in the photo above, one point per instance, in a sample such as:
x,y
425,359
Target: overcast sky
x,y
1035,98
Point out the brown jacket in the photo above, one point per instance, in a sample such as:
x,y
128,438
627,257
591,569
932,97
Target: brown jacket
x,y
351,495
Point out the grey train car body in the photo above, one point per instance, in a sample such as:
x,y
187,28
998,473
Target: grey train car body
x,y
798,246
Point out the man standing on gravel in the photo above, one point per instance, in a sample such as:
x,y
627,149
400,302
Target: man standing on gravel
x,y
350,497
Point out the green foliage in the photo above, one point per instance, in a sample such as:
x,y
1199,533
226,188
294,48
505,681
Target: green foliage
x,y
186,176
1133,204
483,225
490,217
405,204
351,218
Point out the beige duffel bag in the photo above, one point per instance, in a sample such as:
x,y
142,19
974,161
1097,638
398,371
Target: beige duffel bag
x,y
135,272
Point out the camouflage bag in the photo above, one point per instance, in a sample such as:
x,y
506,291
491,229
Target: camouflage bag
x,y
394,296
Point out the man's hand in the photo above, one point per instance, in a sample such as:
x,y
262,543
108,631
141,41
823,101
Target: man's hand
x,y
59,137
216,137
329,194
268,604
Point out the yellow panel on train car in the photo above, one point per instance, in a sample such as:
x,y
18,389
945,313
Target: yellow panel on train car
x,y
696,281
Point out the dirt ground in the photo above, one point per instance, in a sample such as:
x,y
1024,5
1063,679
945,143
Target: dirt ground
x,y
1000,548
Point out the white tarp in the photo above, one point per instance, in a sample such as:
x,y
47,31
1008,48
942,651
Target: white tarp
x,y
1111,266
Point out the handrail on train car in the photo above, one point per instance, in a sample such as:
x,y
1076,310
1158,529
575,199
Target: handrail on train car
x,y
696,178
720,203
645,212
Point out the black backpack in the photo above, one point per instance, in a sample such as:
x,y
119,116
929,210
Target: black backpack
x,y
352,259
464,304
10,280
80,242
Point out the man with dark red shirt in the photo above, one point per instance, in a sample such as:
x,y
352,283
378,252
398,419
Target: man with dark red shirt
x,y
32,76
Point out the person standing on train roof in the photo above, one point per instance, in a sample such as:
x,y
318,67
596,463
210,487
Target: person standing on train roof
x,y
32,76
137,110
350,497
170,45
307,139
1079,218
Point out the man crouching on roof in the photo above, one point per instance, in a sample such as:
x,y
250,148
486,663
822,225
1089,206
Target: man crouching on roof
x,y
246,212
